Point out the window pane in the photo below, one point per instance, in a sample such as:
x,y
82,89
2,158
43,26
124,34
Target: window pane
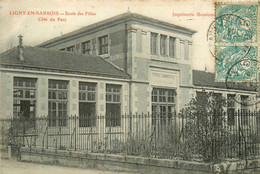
x,y
58,109
87,114
231,116
108,88
163,45
20,93
54,106
113,115
27,83
60,95
54,95
89,97
108,97
60,106
86,47
172,46
32,94
153,43
60,86
103,45
64,106
83,95
27,94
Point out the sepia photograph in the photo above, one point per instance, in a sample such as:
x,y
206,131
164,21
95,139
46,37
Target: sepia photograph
x,y
129,86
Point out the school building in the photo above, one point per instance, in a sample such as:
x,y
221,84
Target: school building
x,y
125,64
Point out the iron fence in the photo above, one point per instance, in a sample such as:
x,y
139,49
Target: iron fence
x,y
171,136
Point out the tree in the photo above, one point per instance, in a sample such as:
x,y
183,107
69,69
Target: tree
x,y
205,130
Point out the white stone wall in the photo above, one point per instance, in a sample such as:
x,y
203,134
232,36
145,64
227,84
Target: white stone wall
x,y
142,62
7,76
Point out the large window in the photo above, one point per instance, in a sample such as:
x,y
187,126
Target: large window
x,y
57,105
172,46
163,45
154,43
186,50
24,94
87,104
86,47
113,105
103,45
163,105
231,108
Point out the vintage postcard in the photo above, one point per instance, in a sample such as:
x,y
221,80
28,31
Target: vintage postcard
x,y
129,86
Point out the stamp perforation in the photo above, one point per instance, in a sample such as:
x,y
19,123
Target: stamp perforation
x,y
227,41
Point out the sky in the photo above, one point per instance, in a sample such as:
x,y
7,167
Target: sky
x,y
36,30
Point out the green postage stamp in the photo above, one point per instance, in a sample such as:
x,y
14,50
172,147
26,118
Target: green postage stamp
x,y
237,42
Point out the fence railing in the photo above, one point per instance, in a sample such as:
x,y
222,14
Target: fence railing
x,y
159,135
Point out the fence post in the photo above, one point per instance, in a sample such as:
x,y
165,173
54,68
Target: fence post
x,y
2,139
23,131
47,134
60,135
239,134
9,152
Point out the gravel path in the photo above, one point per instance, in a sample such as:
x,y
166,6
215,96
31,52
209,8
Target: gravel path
x,y
17,167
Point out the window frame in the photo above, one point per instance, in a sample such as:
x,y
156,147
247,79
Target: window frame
x,y
103,47
244,109
172,47
86,88
231,109
170,103
58,104
114,91
71,49
86,47
20,84
163,44
154,43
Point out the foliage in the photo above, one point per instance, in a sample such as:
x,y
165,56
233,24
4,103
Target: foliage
x,y
21,131
205,129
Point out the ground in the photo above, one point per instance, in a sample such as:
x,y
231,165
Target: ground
x,y
17,167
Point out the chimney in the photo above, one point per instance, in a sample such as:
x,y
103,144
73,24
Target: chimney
x,y
128,10
20,48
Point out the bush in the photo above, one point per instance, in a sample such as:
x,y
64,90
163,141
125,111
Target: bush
x,y
205,130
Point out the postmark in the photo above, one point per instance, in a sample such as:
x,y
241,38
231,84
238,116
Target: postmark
x,y
236,42
211,39
240,27
226,63
251,86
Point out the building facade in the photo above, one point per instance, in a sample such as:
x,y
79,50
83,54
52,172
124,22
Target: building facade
x,y
126,64
157,55
43,82
240,97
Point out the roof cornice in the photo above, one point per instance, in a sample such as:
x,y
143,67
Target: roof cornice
x,y
44,72
65,71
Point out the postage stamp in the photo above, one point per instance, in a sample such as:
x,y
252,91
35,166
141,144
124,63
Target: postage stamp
x,y
236,42
236,23
237,63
